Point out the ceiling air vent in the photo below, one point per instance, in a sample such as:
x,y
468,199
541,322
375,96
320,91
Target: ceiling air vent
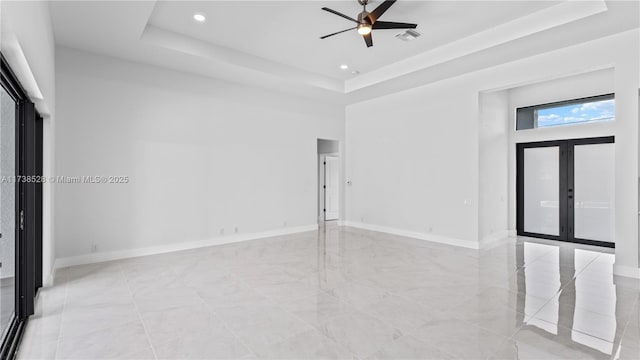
x,y
408,35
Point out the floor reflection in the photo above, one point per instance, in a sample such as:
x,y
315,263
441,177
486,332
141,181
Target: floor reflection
x,y
589,312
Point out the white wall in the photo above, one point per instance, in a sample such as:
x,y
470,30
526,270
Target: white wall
x,y
412,160
413,155
493,166
27,43
202,155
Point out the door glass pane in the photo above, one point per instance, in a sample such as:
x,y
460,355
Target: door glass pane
x,y
7,208
594,192
541,190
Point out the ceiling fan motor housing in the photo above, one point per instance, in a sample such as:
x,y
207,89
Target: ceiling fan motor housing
x,y
364,18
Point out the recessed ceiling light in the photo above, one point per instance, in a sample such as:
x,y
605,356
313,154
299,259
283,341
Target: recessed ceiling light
x,y
199,17
344,66
355,72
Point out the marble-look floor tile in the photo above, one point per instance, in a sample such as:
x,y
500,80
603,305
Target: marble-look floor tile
x,y
535,342
357,294
144,278
408,347
403,314
341,293
502,322
167,298
317,309
261,325
83,320
307,345
165,325
362,334
44,327
86,271
32,349
441,297
290,290
191,333
460,339
627,352
605,327
123,342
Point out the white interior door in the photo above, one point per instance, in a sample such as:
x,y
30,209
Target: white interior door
x,y
594,183
541,190
332,188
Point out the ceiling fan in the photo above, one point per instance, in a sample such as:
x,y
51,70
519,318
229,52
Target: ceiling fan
x,y
368,21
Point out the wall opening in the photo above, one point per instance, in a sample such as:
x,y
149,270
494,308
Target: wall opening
x,y
329,169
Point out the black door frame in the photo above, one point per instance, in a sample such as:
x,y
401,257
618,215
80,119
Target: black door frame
x,y
566,186
28,207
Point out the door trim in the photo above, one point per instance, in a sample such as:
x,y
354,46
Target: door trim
x,y
566,183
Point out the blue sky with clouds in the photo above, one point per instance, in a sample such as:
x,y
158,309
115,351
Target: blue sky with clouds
x,y
579,113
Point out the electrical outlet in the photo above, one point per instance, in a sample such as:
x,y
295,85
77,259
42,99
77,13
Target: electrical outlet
x,y
284,224
94,248
235,230
222,231
430,229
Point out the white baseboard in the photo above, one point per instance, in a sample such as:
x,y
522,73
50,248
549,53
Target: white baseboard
x,y
49,279
626,271
416,235
494,238
161,249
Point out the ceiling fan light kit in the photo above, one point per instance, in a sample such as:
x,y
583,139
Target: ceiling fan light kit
x,y
368,21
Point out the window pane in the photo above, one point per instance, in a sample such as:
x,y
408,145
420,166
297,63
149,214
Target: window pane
x,y
541,191
571,112
7,208
603,110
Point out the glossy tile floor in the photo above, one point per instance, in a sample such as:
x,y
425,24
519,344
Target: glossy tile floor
x,y
343,293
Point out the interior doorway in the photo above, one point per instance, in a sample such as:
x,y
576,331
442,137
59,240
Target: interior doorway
x,y
565,190
329,166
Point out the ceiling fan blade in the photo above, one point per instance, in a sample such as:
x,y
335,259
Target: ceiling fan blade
x,y
392,25
339,32
368,39
377,12
339,14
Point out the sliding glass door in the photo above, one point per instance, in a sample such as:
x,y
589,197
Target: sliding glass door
x,y
20,209
7,209
565,190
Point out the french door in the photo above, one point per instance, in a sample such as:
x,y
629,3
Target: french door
x,y
565,190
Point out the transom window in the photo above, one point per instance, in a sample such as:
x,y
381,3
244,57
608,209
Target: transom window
x,y
570,112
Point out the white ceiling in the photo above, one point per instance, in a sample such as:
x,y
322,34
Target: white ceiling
x,y
276,44
288,32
